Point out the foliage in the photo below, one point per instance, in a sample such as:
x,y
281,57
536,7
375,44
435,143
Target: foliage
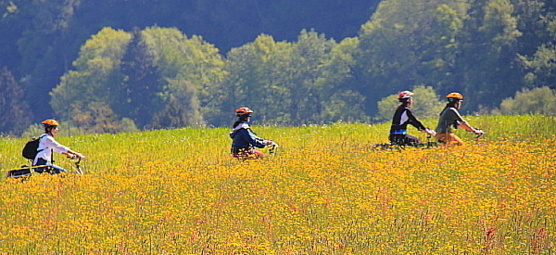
x,y
142,82
14,111
156,77
542,65
339,101
309,53
408,43
293,83
344,106
190,63
530,101
192,72
178,95
94,86
99,118
181,107
256,79
487,68
326,191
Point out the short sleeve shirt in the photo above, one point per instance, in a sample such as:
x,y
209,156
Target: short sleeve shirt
x,y
449,118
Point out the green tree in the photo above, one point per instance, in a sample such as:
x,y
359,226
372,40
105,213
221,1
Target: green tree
x,y
439,47
204,69
408,42
257,74
16,114
181,107
96,83
426,104
530,101
43,48
282,81
340,102
542,66
531,18
191,62
486,64
141,84
97,77
240,64
344,105
98,117
302,74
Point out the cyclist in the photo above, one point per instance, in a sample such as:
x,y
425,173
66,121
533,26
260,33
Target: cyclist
x,y
47,145
244,139
450,117
402,117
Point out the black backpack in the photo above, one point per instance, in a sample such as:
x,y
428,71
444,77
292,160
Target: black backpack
x,y
30,150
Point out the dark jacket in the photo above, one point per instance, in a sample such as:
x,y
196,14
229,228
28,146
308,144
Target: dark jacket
x,y
244,138
402,117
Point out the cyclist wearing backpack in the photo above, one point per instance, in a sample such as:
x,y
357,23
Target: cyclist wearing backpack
x,y
403,117
450,117
244,139
47,146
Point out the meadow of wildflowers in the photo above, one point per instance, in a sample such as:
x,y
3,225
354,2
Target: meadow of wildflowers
x,y
326,191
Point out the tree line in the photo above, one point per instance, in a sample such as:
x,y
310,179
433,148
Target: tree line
x,y
160,77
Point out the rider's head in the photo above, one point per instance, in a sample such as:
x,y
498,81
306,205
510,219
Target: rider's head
x,y
243,113
454,97
49,125
405,96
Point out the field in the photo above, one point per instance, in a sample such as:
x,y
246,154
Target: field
x,y
326,191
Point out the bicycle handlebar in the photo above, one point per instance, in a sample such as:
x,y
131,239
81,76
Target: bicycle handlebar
x,y
480,134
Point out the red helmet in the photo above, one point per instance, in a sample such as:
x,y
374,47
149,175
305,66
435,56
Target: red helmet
x,y
243,111
404,96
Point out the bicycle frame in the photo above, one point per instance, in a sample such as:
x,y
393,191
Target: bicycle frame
x,y
78,167
27,171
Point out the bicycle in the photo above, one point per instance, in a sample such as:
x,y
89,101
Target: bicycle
x,y
25,172
402,146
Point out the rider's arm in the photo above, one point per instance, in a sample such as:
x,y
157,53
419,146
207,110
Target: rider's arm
x,y
255,140
73,154
465,125
468,128
414,121
57,147
418,124
53,145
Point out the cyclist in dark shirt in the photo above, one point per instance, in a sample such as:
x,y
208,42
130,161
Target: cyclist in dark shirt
x,y
244,140
450,117
403,117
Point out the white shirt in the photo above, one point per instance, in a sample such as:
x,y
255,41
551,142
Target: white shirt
x,y
46,146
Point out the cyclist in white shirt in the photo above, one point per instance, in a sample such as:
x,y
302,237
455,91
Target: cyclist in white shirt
x,y
48,145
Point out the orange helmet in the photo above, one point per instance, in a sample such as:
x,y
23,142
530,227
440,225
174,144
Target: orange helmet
x,y
454,97
404,96
243,111
50,122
